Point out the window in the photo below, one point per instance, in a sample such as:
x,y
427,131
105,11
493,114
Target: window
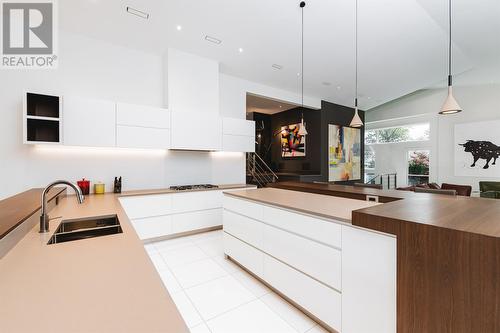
x,y
369,163
406,133
418,167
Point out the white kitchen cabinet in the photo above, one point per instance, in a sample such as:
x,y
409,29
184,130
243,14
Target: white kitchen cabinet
x,y
326,232
323,302
142,116
241,127
368,281
196,131
152,227
142,137
238,135
196,200
244,207
244,228
320,262
246,255
88,122
147,205
196,220
193,84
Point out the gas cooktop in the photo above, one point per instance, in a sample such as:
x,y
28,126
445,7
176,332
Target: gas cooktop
x,y
192,187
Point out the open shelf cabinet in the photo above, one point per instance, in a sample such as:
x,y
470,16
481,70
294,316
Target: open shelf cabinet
x,y
42,118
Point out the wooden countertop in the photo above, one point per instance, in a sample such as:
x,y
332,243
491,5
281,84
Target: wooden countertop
x,y
314,204
474,215
16,209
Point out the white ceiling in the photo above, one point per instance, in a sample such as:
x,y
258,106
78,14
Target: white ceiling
x,y
402,43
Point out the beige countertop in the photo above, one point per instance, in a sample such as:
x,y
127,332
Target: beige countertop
x,y
105,284
314,204
167,190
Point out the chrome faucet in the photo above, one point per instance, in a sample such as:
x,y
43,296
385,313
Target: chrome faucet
x,y
44,217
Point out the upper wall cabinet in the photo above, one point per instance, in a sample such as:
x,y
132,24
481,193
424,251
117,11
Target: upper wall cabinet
x,y
89,122
238,135
139,126
42,118
193,83
196,131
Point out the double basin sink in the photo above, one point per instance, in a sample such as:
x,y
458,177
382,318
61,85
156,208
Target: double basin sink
x,y
71,230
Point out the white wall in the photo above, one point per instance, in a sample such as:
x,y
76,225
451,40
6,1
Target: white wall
x,y
95,69
479,102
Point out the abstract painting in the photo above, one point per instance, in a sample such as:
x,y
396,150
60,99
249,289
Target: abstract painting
x,y
477,148
292,144
344,153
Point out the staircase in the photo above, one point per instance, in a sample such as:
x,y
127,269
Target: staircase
x,y
389,181
258,172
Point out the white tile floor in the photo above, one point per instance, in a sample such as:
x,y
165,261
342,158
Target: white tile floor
x,y
214,295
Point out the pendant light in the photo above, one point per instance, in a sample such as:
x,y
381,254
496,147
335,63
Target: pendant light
x,y
302,129
450,105
356,120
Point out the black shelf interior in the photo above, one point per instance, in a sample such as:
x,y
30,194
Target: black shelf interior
x,y
42,105
43,130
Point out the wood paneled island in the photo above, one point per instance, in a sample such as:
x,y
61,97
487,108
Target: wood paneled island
x,y
448,256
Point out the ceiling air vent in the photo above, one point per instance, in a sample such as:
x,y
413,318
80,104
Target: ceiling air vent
x,y
137,12
213,39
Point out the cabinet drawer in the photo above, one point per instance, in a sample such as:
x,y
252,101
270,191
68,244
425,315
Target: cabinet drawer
x,y
142,137
140,115
243,207
321,301
196,220
238,143
147,205
152,227
323,231
236,126
192,201
317,260
249,257
243,228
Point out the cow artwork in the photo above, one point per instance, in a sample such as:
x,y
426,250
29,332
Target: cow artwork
x,y
482,150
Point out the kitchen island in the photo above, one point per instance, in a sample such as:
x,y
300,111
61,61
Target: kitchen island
x,y
304,246
448,255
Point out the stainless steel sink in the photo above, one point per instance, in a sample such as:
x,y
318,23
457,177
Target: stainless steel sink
x,y
71,230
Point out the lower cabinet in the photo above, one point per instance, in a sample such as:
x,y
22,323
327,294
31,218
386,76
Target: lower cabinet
x,y
152,227
159,215
343,275
196,220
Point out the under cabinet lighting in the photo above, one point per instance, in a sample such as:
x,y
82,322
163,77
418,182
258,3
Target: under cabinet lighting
x,y
137,12
213,39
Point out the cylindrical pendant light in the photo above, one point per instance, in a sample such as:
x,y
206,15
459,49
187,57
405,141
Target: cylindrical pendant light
x,y
302,129
450,105
356,120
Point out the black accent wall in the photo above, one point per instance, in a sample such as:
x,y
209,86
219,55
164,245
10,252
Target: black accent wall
x,y
338,115
314,166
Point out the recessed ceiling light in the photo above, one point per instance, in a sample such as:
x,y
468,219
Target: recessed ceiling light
x,y
339,87
240,50
326,83
213,39
276,66
179,27
137,12
369,97
298,74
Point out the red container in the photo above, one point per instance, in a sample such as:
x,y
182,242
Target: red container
x,y
84,185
